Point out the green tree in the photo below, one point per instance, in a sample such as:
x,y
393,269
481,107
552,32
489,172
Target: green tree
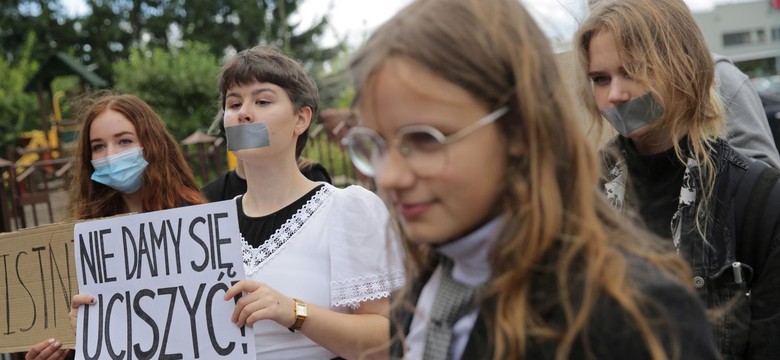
x,y
166,51
109,29
179,83
44,18
233,25
18,109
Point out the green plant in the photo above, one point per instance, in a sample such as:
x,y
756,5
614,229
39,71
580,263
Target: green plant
x,y
332,156
179,84
18,109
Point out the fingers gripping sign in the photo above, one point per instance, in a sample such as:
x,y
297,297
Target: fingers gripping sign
x,y
257,301
47,350
75,304
156,282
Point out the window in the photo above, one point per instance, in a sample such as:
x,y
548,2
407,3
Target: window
x,y
776,34
761,36
739,38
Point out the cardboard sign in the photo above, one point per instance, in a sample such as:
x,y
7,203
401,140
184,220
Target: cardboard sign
x,y
37,281
159,280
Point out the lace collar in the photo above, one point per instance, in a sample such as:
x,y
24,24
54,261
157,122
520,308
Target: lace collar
x,y
255,257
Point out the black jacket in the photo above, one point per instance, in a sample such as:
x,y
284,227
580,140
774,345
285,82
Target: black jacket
x,y
744,287
610,333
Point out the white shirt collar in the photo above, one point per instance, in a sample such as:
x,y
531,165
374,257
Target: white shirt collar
x,y
470,253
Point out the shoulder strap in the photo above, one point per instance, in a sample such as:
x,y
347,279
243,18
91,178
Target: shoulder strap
x,y
757,204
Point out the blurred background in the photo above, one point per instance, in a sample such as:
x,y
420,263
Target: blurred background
x,y
169,52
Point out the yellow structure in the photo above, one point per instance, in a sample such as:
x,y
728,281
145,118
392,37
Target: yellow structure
x,y
39,141
232,160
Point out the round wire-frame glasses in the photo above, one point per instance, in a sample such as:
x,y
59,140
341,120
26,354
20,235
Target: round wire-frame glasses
x,y
423,146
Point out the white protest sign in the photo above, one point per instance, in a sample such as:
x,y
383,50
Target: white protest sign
x,y
159,279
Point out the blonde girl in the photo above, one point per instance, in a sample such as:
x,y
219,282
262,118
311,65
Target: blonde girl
x,y
645,68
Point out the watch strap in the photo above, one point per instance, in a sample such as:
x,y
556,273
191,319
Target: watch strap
x,y
299,319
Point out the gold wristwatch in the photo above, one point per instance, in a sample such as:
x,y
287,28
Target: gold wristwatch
x,y
299,309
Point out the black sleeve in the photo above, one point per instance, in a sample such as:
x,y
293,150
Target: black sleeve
x,y
226,187
764,341
234,186
214,190
676,316
689,329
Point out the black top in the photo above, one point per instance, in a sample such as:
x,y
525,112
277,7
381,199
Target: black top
x,y
675,315
655,181
229,185
257,230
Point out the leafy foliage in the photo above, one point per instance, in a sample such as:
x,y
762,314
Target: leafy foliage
x,y
111,28
332,157
18,110
42,17
167,52
179,84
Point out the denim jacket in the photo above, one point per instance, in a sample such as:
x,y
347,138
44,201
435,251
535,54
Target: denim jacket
x,y
723,281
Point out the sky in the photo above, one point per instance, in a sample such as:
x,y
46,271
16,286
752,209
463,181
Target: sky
x,y
355,19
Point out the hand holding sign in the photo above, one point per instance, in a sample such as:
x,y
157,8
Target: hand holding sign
x,y
153,283
75,304
260,302
47,350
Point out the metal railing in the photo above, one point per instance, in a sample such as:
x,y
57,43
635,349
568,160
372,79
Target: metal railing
x,y
24,190
35,194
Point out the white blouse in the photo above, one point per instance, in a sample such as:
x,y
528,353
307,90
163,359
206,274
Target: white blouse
x,y
334,252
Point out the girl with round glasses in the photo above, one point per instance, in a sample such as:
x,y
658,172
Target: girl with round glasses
x,y
512,252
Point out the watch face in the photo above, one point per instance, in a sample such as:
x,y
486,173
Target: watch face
x,y
300,309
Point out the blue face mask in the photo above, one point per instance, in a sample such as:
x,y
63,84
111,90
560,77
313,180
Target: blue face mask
x,y
634,114
122,171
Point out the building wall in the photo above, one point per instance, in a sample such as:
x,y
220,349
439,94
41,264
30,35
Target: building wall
x,y
748,33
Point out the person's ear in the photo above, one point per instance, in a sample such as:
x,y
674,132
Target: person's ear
x,y
302,120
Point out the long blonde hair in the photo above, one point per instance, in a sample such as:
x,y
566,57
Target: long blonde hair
x,y
557,217
663,50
